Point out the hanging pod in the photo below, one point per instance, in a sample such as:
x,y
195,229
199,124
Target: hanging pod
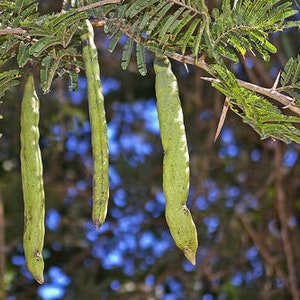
x,y
176,174
32,182
98,126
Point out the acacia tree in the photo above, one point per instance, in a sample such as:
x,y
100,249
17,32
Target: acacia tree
x,y
190,32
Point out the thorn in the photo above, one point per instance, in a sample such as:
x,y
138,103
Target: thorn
x,y
222,118
290,104
276,81
210,79
40,280
235,3
186,68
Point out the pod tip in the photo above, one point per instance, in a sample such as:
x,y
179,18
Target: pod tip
x,y
35,265
97,224
190,255
40,280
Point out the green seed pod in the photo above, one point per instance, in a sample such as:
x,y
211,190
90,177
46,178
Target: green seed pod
x,y
98,126
32,182
176,159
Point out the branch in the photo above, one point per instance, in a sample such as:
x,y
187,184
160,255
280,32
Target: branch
x,y
185,59
287,101
20,31
16,31
189,60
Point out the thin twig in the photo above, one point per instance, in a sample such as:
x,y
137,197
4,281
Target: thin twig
x,y
286,242
17,31
97,4
188,60
262,248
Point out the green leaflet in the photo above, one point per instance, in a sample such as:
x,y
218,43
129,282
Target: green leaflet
x,y
8,79
23,54
290,78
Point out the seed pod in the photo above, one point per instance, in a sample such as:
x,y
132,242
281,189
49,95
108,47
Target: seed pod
x,y
176,159
98,126
32,182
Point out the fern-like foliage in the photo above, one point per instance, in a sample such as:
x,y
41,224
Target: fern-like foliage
x,y
244,27
12,18
263,116
186,27
52,42
47,41
237,30
8,79
171,26
159,26
290,78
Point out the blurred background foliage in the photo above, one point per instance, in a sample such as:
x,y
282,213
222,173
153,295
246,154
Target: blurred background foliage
x,y
244,193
